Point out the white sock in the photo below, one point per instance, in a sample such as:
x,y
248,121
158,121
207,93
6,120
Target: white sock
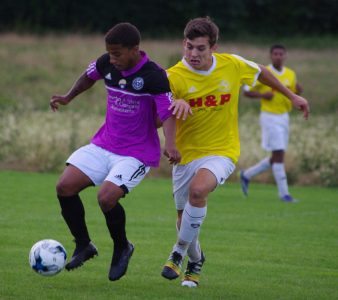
x,y
278,171
194,249
258,168
192,219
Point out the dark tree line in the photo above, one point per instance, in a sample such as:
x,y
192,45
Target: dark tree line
x,y
167,18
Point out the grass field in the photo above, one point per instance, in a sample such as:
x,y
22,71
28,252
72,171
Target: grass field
x,y
256,248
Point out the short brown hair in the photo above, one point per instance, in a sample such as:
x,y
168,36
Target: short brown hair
x,y
124,34
200,27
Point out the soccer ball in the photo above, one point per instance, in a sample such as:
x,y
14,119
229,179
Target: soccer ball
x,y
47,257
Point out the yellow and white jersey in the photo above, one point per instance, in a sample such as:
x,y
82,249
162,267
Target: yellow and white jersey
x,y
213,97
279,104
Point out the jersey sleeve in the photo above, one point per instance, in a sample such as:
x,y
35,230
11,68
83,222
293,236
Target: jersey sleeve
x,y
163,102
176,83
94,70
159,83
160,89
257,87
249,71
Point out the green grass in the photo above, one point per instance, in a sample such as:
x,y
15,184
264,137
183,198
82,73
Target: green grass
x,y
256,248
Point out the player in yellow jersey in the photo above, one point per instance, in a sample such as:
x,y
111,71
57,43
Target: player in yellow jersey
x,y
208,139
274,121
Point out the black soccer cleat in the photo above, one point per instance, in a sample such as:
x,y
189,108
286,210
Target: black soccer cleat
x,y
120,261
172,268
81,254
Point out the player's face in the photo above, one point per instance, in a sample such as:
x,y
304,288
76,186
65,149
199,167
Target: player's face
x,y
123,58
278,57
198,53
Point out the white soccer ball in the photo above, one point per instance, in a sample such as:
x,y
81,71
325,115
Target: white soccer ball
x,y
47,257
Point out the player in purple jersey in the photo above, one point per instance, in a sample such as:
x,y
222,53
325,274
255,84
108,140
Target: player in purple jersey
x,y
124,148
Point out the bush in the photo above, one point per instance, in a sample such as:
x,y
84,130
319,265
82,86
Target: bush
x,y
42,141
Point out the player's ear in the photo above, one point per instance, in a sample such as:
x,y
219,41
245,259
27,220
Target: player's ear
x,y
214,48
134,50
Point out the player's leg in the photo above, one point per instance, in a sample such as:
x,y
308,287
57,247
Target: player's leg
x,y
71,182
115,216
209,172
195,256
279,174
247,174
278,171
202,183
264,164
182,175
278,142
196,259
79,174
125,174
194,249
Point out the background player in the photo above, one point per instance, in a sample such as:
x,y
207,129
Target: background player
x,y
274,121
123,149
208,140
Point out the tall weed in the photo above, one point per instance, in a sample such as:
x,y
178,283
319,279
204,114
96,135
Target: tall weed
x,y
42,141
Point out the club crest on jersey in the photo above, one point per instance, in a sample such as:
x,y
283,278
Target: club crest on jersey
x,y
138,83
122,83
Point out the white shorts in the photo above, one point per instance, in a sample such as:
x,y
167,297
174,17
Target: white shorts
x,y
220,166
275,131
101,165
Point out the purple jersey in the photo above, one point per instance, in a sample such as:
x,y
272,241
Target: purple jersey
x,y
134,99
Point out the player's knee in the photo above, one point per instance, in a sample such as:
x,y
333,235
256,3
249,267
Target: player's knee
x,y
64,188
106,200
197,195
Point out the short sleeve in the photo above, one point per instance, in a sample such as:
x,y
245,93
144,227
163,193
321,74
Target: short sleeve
x,y
92,71
248,70
163,102
159,83
95,68
174,85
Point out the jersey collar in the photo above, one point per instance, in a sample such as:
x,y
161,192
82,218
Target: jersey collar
x,y
277,71
213,66
136,68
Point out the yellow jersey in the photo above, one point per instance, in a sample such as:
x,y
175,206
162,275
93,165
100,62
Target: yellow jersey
x,y
279,104
213,97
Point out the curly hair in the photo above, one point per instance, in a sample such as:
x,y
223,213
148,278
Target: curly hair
x,y
124,34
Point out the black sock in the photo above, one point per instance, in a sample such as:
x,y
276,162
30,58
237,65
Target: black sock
x,y
116,223
73,212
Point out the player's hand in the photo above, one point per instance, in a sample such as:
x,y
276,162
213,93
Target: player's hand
x,y
174,157
181,109
268,95
301,104
56,100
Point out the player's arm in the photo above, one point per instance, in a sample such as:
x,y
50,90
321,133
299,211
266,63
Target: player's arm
x,y
267,78
256,94
170,150
82,84
299,89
